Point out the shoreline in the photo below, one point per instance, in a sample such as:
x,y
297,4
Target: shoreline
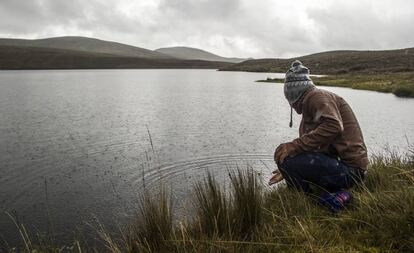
x,y
400,84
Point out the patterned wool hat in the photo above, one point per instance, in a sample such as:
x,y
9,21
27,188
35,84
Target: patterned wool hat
x,y
297,81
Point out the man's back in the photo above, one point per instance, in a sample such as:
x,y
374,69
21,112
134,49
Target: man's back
x,y
324,107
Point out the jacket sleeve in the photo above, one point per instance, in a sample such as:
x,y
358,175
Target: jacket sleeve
x,y
325,114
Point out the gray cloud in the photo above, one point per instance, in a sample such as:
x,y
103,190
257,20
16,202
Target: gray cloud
x,y
365,25
203,9
244,28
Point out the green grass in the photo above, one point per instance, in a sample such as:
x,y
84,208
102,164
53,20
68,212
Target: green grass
x,y
247,218
401,84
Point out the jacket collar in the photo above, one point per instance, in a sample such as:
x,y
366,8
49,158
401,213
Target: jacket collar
x,y
298,105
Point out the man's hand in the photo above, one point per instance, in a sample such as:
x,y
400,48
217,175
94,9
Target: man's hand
x,y
282,151
276,178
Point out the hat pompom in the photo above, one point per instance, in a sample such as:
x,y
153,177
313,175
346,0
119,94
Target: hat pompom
x,y
296,63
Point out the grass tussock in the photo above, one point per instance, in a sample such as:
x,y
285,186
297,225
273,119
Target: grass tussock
x,y
235,215
246,218
247,203
154,224
212,208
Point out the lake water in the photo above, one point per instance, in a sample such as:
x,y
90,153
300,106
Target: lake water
x,y
82,144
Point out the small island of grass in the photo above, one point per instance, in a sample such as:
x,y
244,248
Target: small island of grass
x,y
401,83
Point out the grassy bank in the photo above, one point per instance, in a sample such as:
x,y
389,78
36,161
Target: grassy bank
x,y
401,84
247,218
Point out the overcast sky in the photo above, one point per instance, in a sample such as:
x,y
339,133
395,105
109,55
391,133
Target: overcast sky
x,y
242,28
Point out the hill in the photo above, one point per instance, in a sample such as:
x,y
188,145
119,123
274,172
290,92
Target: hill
x,y
24,57
337,62
90,45
195,53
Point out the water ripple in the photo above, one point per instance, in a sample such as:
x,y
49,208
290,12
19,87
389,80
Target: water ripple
x,y
167,172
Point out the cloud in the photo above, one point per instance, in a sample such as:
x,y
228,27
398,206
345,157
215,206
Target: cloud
x,y
202,9
365,24
244,28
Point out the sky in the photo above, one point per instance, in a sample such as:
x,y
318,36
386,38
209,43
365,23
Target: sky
x,y
232,28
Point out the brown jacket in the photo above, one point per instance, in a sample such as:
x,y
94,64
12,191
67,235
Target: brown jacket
x,y
329,125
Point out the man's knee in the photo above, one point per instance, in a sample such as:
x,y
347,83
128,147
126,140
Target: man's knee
x,y
294,162
289,170
286,167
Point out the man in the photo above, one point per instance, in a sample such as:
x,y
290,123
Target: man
x,y
330,152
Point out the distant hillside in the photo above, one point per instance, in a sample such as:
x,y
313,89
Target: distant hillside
x,y
90,45
23,57
195,53
337,62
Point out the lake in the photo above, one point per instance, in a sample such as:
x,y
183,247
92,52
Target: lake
x,y
78,146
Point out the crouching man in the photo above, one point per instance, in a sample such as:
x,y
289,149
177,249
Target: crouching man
x,y
330,152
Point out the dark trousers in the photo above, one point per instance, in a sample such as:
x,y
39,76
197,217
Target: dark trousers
x,y
321,170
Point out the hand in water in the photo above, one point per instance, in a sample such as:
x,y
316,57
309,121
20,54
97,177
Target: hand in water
x,y
276,178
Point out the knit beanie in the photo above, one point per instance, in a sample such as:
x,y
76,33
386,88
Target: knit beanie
x,y
297,81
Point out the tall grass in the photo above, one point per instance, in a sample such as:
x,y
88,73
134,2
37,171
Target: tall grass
x,y
212,208
236,214
153,226
246,218
247,199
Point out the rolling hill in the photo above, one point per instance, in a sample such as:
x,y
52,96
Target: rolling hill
x,y
337,62
89,45
25,57
195,53
82,52
71,52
